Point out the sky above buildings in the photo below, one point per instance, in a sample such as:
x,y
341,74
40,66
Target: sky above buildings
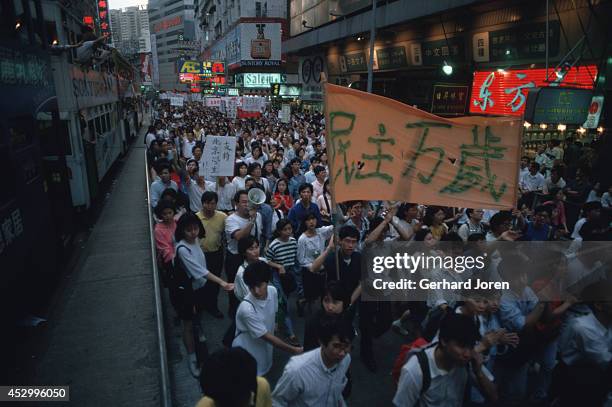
x,y
115,4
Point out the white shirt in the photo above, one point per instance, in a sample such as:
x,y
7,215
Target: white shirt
x,y
241,290
309,248
532,182
548,184
402,224
577,227
187,147
195,193
239,182
195,263
586,340
226,196
446,388
235,222
254,319
150,138
307,382
317,190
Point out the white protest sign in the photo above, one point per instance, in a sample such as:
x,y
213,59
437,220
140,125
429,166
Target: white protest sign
x,y
219,155
250,104
213,102
176,101
232,107
285,113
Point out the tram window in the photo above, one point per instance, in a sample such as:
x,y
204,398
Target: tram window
x,y
108,122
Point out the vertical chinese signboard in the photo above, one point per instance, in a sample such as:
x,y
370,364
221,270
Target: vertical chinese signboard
x,y
505,92
105,28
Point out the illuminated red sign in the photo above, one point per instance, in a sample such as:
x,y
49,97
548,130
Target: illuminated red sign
x,y
218,68
504,92
88,21
171,22
103,17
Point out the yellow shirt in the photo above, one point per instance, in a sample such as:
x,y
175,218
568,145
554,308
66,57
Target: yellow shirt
x,y
214,227
264,399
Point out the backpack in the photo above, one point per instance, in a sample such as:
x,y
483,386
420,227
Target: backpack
x,y
179,280
406,351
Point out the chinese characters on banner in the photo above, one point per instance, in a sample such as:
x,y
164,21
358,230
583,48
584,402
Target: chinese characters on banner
x,y
105,28
218,155
505,92
213,102
11,228
176,101
381,149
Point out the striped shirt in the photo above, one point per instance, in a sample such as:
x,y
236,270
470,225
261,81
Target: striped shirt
x,y
283,253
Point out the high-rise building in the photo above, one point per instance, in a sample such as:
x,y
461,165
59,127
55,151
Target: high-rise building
x,y
172,26
130,30
247,36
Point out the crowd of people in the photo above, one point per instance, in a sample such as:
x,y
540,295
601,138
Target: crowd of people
x,y
271,234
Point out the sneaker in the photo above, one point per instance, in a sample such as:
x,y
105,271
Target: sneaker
x,y
193,367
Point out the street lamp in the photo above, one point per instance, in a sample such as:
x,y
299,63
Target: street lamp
x,y
447,69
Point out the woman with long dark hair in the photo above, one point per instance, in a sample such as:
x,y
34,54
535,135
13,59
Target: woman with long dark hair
x,y
190,256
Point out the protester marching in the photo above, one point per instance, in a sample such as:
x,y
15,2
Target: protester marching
x,y
282,215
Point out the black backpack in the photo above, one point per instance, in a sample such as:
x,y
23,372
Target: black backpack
x,y
179,280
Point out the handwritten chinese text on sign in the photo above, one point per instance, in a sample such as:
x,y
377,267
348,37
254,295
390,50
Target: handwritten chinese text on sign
x,y
219,155
381,149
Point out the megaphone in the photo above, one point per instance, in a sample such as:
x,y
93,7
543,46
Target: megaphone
x,y
256,197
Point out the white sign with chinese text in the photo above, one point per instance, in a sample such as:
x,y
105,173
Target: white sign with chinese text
x,y
285,113
213,102
218,155
253,104
176,101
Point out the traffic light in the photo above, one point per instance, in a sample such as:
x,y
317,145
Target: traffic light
x,y
275,89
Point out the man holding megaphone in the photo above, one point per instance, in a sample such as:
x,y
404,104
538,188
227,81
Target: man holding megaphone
x,y
243,222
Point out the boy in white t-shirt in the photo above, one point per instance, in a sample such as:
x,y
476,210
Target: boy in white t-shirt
x,y
255,319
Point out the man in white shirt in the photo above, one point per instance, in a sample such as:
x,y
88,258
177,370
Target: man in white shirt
x,y
245,221
318,377
438,376
256,316
226,191
524,169
530,184
317,185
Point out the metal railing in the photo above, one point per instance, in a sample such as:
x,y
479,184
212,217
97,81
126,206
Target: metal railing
x,y
159,313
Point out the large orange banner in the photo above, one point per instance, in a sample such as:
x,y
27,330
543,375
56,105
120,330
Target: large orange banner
x,y
381,149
